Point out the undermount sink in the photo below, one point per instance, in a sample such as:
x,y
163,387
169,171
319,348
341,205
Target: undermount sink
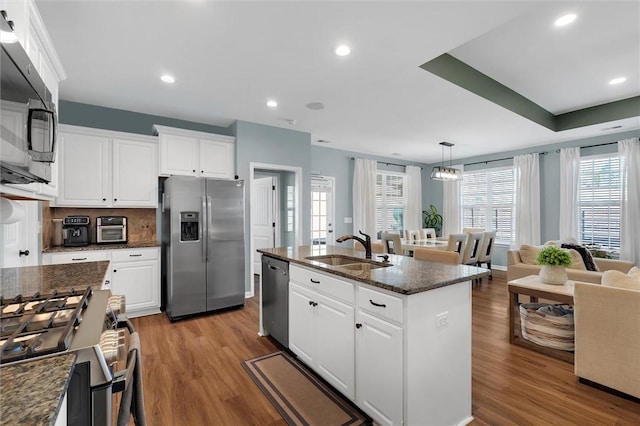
x,y
335,260
362,266
348,263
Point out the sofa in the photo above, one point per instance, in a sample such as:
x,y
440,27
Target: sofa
x,y
607,332
517,267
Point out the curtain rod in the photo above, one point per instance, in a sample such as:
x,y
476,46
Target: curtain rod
x,y
391,164
502,159
593,146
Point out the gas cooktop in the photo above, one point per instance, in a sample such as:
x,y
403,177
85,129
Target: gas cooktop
x,y
40,324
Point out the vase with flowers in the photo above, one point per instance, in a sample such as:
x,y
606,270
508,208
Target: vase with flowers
x,y
553,261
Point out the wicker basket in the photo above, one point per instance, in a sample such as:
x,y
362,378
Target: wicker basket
x,y
546,329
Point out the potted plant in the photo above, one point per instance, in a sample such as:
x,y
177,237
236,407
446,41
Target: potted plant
x,y
553,260
432,219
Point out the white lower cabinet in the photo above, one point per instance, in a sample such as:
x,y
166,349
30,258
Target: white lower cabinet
x,y
379,363
322,333
134,273
384,350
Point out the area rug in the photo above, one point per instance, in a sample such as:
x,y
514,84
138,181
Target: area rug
x,y
298,395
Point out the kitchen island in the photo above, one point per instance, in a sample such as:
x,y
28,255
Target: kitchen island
x,y
394,337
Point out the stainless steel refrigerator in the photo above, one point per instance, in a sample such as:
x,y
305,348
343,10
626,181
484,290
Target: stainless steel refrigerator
x,y
203,245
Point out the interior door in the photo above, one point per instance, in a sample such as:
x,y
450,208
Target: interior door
x,y
262,217
322,213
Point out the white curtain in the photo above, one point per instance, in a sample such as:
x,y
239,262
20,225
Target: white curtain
x,y
527,174
413,198
364,197
629,150
569,193
451,220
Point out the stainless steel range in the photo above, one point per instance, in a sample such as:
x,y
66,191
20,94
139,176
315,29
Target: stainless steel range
x,y
84,322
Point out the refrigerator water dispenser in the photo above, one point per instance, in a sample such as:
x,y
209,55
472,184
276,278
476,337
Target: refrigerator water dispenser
x,y
189,226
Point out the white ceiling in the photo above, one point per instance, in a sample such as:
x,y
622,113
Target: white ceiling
x,y
228,58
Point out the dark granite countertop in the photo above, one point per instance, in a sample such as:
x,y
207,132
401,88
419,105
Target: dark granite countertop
x,y
31,279
130,245
32,392
405,276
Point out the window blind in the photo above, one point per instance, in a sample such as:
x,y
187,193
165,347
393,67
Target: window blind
x,y
488,202
389,202
600,196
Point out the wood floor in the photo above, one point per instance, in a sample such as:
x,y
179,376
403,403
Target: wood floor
x,y
193,373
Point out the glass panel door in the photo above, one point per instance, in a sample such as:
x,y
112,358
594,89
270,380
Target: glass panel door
x,y
322,211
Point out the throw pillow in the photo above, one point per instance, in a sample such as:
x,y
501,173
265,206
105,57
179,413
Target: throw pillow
x,y
586,256
576,260
528,254
613,278
634,272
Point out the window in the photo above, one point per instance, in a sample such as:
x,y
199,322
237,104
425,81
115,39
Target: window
x,y
488,202
600,196
389,202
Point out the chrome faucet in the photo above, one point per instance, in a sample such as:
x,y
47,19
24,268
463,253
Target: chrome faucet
x,y
366,242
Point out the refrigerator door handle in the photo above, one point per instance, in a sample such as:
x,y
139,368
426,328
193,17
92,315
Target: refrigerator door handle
x,y
209,224
163,201
203,232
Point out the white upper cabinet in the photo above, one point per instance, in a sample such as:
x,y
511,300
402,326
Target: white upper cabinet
x,y
100,168
191,153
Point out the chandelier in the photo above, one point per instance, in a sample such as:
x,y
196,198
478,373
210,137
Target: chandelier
x,y
443,172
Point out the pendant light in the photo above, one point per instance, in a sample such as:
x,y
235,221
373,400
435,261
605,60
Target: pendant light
x,y
446,173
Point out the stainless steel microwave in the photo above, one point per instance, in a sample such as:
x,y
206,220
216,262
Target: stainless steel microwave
x,y
28,120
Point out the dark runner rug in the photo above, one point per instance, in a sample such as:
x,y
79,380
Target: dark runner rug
x,y
298,395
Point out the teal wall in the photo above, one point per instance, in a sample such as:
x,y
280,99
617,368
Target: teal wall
x,y
99,117
273,145
338,164
277,146
549,180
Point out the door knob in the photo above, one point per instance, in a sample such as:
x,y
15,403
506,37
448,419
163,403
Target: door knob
x,y
23,252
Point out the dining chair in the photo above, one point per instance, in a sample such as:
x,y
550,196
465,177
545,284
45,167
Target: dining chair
x,y
428,233
457,242
440,256
412,234
376,247
392,243
471,252
486,250
472,230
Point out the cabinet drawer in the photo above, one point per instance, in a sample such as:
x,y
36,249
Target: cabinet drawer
x,y
76,256
334,287
381,304
130,255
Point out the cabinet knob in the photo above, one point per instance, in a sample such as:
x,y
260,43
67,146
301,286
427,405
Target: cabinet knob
x,y
194,170
358,325
107,282
115,270
104,199
23,253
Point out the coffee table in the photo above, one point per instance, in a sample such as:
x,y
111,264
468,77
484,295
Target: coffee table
x,y
533,287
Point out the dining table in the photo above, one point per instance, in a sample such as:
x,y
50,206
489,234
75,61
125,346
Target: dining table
x,y
430,243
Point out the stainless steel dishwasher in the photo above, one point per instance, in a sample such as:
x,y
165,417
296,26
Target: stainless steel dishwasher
x,y
275,299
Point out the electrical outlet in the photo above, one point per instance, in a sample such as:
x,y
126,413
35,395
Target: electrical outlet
x,y
441,319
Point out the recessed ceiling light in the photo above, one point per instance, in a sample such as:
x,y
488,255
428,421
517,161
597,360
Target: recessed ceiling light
x,y
618,80
565,20
168,78
323,141
316,106
395,153
271,103
343,50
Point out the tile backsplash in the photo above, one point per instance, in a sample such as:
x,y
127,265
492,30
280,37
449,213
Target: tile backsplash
x,y
141,223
